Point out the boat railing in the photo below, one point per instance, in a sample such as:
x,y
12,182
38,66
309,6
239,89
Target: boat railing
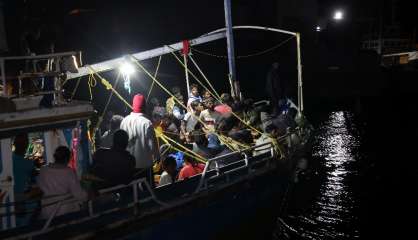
x,y
56,65
216,161
68,199
244,156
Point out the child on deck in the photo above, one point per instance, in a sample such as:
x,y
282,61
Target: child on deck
x,y
169,175
193,95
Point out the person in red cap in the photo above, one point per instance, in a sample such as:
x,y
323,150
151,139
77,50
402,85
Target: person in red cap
x,y
142,141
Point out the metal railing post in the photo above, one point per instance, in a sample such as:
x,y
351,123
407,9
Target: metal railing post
x,y
90,206
58,205
135,195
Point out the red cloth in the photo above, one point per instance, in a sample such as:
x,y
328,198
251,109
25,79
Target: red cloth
x,y
223,109
186,47
138,103
189,170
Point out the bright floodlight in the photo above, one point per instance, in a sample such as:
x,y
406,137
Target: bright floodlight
x,y
338,15
318,28
127,69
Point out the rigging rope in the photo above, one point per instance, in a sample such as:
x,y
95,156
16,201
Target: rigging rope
x,y
155,75
233,113
190,152
193,75
169,93
75,88
204,76
107,85
244,56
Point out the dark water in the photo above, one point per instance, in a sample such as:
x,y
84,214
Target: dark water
x,y
332,211
362,181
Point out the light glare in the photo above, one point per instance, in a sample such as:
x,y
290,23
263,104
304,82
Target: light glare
x,y
127,69
338,15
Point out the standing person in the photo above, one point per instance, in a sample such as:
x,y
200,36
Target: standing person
x,y
22,171
107,138
142,141
22,167
275,87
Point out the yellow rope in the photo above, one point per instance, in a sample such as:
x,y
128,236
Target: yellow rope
x,y
166,139
204,76
108,85
222,139
169,93
216,96
275,143
155,75
108,102
89,83
195,155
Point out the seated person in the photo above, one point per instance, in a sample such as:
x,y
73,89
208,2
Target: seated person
x,y
115,165
271,132
286,120
190,168
156,108
224,108
173,107
191,117
209,116
200,145
193,95
58,179
169,127
206,95
214,144
170,173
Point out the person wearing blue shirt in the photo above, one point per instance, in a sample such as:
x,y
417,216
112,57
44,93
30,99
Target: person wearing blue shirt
x,y
22,172
22,167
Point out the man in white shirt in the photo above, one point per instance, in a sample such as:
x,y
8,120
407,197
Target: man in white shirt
x,y
142,141
209,116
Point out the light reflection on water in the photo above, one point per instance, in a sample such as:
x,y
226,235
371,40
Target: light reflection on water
x,y
331,215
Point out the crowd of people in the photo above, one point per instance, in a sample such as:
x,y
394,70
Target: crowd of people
x,y
136,146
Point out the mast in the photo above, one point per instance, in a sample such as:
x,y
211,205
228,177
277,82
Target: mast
x,y
235,90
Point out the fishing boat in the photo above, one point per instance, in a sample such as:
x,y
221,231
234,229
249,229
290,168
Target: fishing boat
x,y
232,189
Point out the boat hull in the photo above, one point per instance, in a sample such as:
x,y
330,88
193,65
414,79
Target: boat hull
x,y
254,201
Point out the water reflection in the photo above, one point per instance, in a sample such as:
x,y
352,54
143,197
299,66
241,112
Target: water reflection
x,y
332,214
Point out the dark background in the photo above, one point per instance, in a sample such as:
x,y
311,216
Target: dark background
x,y
334,65
337,73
